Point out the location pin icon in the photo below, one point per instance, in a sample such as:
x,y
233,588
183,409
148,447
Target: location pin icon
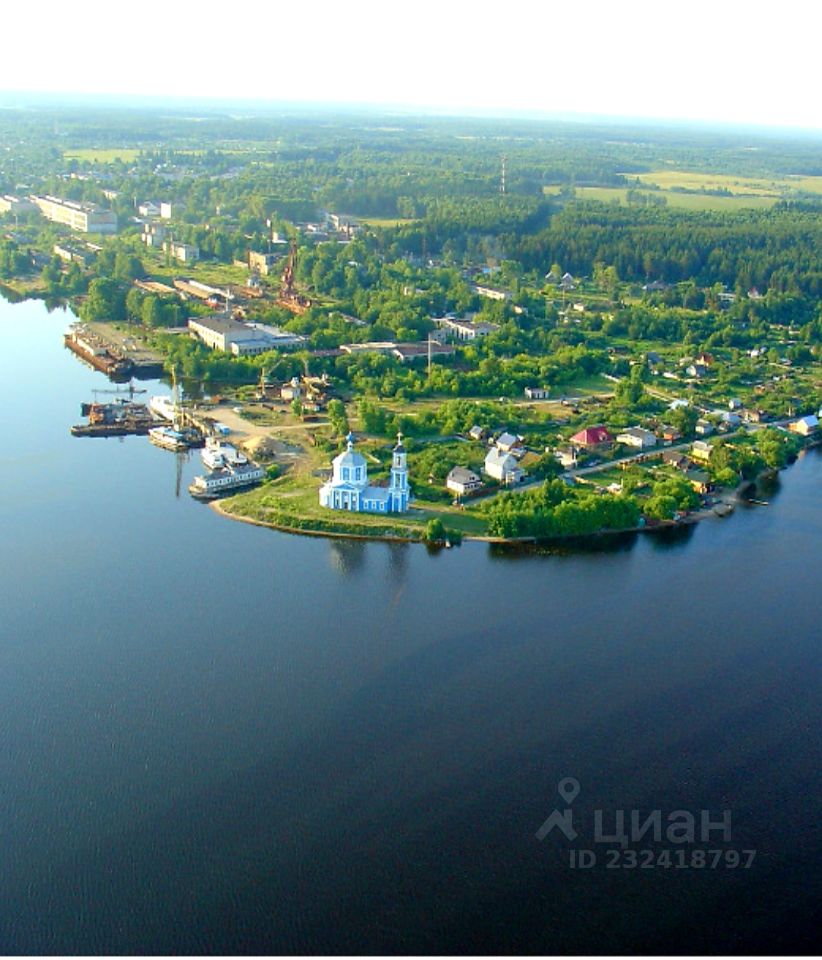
x,y
568,789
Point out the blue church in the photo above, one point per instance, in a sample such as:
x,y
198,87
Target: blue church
x,y
348,488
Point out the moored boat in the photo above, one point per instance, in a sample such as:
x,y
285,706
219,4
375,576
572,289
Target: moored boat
x,y
163,407
217,453
224,480
174,438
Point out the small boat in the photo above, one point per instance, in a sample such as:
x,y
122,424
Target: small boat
x,y
174,438
224,480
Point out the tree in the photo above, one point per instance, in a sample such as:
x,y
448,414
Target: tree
x,y
127,266
435,531
337,417
134,305
105,301
152,312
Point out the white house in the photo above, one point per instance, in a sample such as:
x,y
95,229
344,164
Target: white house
x,y
637,437
503,467
462,481
537,393
348,488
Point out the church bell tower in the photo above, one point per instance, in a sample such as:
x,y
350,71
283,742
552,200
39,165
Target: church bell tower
x,y
399,478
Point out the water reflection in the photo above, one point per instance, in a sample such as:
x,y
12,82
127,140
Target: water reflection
x,y
347,556
603,543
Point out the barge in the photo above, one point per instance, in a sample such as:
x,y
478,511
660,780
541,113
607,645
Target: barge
x,y
97,354
119,419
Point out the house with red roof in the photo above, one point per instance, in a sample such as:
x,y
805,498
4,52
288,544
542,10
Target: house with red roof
x,y
593,438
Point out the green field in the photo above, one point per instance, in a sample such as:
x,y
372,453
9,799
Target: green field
x,y
385,221
704,182
683,201
126,154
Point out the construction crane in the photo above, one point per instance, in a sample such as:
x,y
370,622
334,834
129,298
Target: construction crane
x,y
289,298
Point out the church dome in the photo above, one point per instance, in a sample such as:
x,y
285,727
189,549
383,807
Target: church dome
x,y
349,457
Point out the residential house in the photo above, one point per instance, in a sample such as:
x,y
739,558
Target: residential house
x,y
696,370
676,459
669,434
703,428
731,419
637,437
463,482
477,432
503,467
292,390
805,426
593,438
148,209
537,393
699,480
567,456
509,443
701,450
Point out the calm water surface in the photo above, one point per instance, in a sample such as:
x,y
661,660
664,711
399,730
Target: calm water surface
x,y
218,738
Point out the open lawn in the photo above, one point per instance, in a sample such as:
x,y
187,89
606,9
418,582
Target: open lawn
x,y
95,155
292,501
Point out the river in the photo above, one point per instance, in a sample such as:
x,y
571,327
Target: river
x,y
217,738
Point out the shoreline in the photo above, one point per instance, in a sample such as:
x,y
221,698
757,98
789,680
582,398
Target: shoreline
x,y
732,498
658,527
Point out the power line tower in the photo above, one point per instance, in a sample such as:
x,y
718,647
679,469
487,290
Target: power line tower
x,y
502,177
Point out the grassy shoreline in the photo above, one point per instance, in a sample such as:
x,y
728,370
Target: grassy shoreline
x,y
373,527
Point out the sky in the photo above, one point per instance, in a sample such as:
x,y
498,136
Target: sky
x,y
722,61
